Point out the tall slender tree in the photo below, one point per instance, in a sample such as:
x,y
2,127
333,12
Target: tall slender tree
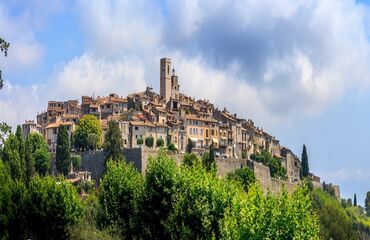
x,y
355,200
367,204
189,147
63,155
305,167
30,160
113,142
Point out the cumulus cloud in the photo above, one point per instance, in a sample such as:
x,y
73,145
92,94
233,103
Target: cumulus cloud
x,y
289,56
269,60
86,75
25,51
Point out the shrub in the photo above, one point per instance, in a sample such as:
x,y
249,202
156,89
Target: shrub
x,y
149,141
160,142
53,207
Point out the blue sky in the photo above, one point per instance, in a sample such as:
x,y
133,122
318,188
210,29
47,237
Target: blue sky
x,y
299,69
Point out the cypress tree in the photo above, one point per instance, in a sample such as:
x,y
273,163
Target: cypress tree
x,y
30,160
355,200
367,204
63,155
113,142
305,167
189,147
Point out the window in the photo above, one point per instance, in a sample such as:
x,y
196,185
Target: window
x,y
55,130
136,128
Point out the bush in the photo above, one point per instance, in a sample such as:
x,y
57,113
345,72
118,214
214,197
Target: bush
x,y
76,161
120,190
160,182
190,159
244,176
254,216
160,142
199,204
149,141
171,147
53,207
139,141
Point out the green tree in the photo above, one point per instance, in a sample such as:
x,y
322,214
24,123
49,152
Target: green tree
x,y
160,142
275,165
254,216
149,141
76,162
11,157
160,181
88,124
139,141
52,208
12,207
4,46
113,142
40,152
30,160
305,167
209,159
121,188
189,147
355,200
42,161
171,147
63,155
367,204
334,221
243,175
199,204
190,159
5,130
92,141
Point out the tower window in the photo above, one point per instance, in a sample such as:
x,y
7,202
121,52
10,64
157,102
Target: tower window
x,y
168,69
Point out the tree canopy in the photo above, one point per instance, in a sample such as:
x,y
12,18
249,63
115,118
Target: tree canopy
x,y
88,125
305,166
113,142
63,155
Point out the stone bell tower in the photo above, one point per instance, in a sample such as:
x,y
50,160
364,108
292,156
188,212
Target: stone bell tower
x,y
165,76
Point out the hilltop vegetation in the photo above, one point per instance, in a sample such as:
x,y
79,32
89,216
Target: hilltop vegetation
x,y
168,202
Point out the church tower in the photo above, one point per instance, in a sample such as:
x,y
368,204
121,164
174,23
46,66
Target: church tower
x,y
165,72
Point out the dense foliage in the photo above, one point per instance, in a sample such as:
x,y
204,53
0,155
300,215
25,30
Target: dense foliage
x,y
113,142
367,204
254,216
63,154
149,141
305,167
336,221
88,125
244,176
275,165
188,202
160,142
167,202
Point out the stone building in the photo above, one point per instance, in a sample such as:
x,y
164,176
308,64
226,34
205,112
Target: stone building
x,y
31,127
292,164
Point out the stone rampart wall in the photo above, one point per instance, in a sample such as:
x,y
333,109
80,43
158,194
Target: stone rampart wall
x,y
93,161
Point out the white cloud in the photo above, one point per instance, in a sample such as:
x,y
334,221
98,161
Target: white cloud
x,y
24,51
87,75
269,60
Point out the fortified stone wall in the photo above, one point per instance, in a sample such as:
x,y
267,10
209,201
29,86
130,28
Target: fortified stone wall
x,y
93,161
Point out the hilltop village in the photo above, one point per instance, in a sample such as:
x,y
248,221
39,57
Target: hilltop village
x,y
172,116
